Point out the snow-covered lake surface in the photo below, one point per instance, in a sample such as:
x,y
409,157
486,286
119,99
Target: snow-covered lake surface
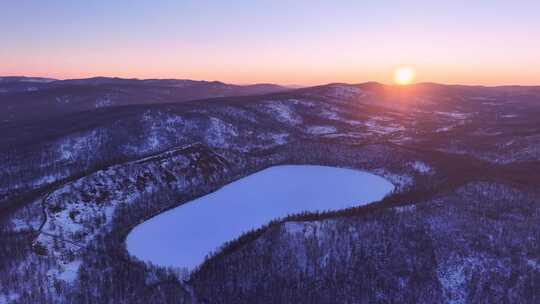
x,y
183,236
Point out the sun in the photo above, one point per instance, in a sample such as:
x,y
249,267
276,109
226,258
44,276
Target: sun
x,y
404,75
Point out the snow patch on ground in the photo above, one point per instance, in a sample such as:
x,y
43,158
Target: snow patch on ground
x,y
405,209
105,102
20,225
421,167
303,102
444,129
306,229
455,115
276,138
62,99
330,114
219,133
9,298
452,277
66,271
321,130
47,179
382,126
280,139
352,135
533,264
73,146
284,113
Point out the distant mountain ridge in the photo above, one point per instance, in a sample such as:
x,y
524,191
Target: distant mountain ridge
x,y
25,79
29,98
101,80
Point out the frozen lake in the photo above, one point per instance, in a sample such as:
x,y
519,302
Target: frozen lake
x,y
183,236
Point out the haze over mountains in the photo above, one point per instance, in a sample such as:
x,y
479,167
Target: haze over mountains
x,y
28,98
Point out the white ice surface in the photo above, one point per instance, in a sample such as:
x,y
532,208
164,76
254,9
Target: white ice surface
x,y
183,236
421,167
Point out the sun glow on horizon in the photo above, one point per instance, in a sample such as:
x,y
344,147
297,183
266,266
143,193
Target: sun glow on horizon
x,y
404,75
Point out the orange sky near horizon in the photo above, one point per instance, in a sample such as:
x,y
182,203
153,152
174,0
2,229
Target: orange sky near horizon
x,y
299,43
290,75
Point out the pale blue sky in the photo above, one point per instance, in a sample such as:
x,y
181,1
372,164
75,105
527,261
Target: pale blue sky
x,y
274,41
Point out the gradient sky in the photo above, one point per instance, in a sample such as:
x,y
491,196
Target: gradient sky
x,y
289,42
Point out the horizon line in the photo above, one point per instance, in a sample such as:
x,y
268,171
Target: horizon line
x,y
277,83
